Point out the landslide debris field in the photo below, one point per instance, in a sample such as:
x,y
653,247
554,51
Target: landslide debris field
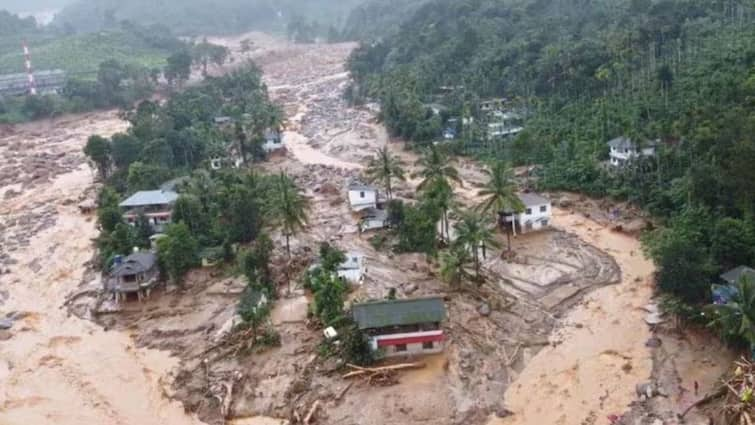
x,y
61,366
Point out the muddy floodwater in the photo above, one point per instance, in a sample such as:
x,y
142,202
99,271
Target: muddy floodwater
x,y
56,368
563,340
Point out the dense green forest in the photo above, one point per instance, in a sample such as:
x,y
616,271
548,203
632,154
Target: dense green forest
x,y
583,72
193,17
377,19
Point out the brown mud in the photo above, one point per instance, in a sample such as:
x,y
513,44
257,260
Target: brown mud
x,y
558,329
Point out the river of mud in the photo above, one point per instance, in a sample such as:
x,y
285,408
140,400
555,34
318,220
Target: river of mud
x,y
565,340
55,367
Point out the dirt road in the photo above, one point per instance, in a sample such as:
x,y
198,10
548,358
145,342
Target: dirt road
x,y
56,368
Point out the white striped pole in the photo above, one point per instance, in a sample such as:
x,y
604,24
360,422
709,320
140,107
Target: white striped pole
x,y
29,70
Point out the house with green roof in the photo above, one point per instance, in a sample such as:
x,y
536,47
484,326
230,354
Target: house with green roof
x,y
402,327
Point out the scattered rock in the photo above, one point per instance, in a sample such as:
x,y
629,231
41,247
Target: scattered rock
x,y
6,324
5,335
646,390
484,309
503,412
653,342
410,288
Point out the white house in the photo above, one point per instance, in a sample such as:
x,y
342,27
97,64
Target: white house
x,y
536,215
362,196
504,124
373,218
352,270
273,141
623,149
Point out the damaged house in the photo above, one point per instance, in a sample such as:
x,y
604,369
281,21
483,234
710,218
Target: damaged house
x,y
136,274
402,327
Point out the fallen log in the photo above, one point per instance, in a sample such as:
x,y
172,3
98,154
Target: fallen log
x,y
707,399
312,412
360,371
343,391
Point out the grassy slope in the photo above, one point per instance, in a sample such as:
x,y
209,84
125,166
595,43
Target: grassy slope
x,y
79,53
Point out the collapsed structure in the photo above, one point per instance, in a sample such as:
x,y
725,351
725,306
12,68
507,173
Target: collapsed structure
x,y
136,274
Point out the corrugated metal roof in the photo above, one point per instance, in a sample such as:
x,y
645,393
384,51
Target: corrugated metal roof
x,y
150,197
733,276
359,185
532,199
381,314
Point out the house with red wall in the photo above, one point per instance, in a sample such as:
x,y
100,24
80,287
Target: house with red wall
x,y
402,327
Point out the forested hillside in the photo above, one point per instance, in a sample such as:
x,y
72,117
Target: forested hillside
x,y
583,72
377,19
193,17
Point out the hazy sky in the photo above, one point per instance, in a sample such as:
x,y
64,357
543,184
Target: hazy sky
x,y
31,6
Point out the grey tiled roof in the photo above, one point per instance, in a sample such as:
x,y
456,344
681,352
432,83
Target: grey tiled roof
x,y
381,314
135,263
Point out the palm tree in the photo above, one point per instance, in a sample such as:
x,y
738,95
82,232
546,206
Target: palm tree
x,y
289,208
385,167
500,193
737,317
474,235
454,266
436,167
437,174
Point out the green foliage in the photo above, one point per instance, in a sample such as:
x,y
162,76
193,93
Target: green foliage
x,y
677,71
178,68
288,208
329,296
384,168
255,263
684,267
454,266
188,209
736,319
330,257
500,191
178,251
355,348
475,235
417,231
98,150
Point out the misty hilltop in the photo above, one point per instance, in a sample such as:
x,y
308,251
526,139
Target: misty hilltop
x,y
192,17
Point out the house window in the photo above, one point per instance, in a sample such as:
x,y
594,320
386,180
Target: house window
x,y
545,223
529,211
361,194
543,208
427,345
400,348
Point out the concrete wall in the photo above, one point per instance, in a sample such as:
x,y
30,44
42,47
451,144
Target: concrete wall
x,y
362,199
388,349
535,214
